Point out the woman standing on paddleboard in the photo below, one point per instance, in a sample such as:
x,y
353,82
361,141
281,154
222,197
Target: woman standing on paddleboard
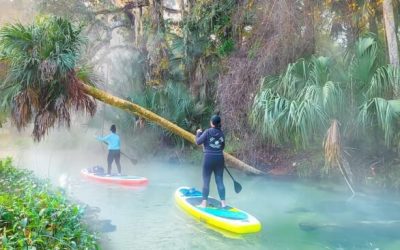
x,y
114,153
213,141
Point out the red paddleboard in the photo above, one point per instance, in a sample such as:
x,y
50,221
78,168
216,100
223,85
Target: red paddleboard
x,y
126,180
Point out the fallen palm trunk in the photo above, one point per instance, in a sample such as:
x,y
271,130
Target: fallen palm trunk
x,y
148,115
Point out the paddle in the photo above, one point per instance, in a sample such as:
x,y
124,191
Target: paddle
x,y
133,161
236,184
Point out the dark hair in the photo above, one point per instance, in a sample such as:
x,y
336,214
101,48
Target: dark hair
x,y
216,121
113,128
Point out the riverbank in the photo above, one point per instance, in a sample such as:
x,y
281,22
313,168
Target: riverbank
x,y
35,215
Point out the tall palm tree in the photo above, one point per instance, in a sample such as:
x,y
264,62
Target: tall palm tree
x,y
390,31
44,83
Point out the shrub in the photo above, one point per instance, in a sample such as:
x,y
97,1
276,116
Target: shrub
x,y
34,216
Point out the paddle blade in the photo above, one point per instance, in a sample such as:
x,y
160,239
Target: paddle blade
x,y
237,187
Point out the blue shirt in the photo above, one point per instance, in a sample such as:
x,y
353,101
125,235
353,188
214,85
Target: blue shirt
x,y
112,141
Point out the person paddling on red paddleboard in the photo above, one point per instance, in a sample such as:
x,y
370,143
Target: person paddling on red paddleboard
x,y
114,148
213,141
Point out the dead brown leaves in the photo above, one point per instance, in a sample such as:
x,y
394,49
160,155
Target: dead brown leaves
x,y
25,103
333,145
48,108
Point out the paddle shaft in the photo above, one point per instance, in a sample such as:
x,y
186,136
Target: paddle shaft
x,y
134,161
229,174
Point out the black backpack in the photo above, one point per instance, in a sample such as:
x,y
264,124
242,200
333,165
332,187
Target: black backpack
x,y
97,170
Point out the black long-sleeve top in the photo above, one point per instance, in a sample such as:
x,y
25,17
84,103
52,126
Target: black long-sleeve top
x,y
213,140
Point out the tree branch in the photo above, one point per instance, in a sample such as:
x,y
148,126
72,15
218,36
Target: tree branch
x,y
128,6
171,10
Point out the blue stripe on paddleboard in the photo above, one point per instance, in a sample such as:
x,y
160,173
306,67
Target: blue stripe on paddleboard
x,y
224,213
192,192
220,212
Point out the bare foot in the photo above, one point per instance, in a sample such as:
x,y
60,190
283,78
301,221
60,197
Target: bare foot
x,y
223,204
203,204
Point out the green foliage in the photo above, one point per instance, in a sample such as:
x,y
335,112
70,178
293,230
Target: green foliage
x,y
205,32
210,17
3,118
42,82
33,216
174,103
297,105
226,47
44,51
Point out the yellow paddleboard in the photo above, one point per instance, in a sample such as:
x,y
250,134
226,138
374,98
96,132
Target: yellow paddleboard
x,y
229,218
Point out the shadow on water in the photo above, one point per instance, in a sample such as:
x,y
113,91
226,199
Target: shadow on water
x,y
357,224
92,218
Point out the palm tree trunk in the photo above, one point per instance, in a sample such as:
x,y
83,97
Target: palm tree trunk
x,y
182,9
148,115
390,31
309,32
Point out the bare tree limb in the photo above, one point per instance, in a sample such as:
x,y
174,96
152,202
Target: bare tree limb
x,y
128,6
171,10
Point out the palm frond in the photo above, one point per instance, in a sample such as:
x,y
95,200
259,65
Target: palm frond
x,y
296,105
41,82
382,113
283,120
363,61
384,82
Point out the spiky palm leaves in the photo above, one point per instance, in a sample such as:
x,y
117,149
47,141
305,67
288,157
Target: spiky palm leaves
x,y
297,105
175,103
42,83
300,103
375,92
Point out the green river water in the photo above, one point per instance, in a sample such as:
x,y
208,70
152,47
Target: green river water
x,y
294,214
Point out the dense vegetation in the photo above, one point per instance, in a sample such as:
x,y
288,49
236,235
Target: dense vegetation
x,y
298,73
33,215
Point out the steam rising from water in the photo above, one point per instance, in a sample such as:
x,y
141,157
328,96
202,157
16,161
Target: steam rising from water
x,y
294,214
17,10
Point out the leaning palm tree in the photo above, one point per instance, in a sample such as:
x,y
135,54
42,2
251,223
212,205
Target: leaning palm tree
x,y
44,82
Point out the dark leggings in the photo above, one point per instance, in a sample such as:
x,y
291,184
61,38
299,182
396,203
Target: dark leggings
x,y
113,155
213,163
